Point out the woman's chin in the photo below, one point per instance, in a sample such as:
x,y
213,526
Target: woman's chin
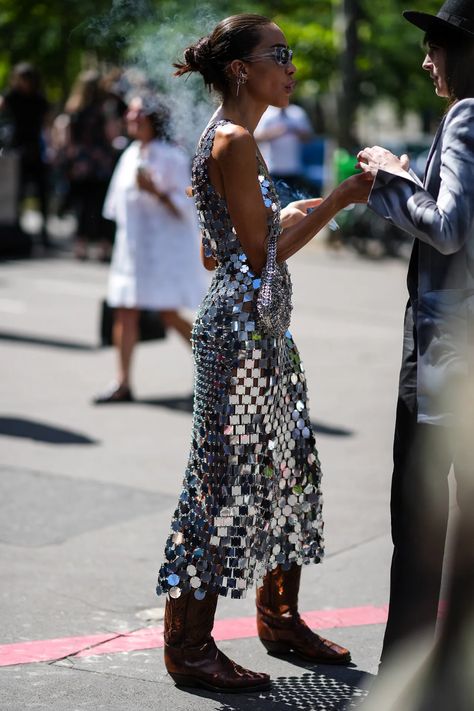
x,y
282,102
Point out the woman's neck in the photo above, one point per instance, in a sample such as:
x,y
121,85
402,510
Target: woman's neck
x,y
143,147
241,113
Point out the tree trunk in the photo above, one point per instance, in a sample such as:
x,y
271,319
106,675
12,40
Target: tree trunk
x,y
348,95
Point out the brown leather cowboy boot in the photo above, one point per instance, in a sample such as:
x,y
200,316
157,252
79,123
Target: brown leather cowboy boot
x,y
191,655
280,627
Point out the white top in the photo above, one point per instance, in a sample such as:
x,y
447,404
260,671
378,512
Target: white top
x,y
279,135
155,259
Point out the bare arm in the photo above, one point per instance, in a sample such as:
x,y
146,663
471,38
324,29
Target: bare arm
x,y
145,182
352,190
235,154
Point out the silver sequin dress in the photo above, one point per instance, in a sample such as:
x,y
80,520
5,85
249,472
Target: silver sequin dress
x,y
251,496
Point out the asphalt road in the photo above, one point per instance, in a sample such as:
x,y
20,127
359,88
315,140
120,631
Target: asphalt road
x,y
86,493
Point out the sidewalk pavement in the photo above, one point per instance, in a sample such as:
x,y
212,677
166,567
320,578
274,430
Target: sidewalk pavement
x,y
87,492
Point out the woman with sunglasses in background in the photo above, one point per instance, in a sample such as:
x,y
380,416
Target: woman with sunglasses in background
x,y
250,508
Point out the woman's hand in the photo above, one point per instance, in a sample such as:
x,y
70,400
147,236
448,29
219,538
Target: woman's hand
x,y
209,263
355,189
296,210
145,181
371,159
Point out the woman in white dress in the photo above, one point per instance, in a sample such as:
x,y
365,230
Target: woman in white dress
x,y
155,259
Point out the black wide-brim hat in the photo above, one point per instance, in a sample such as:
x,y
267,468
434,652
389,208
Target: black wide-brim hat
x,y
455,15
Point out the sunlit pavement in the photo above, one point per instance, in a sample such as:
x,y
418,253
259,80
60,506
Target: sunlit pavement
x,y
87,492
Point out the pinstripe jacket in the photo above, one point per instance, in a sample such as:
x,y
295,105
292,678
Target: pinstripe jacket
x,y
439,347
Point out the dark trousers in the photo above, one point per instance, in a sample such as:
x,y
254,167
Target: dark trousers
x,y
423,455
34,174
419,511
88,198
419,506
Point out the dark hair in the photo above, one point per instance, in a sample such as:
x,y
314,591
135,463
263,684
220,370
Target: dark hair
x,y
233,38
28,72
155,109
160,120
459,61
85,92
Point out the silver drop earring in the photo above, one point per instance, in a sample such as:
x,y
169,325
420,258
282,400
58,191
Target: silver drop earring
x,y
241,79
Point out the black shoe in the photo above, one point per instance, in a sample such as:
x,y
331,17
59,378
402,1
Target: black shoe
x,y
115,393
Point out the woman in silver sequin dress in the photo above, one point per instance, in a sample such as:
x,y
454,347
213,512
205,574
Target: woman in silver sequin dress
x,y
250,509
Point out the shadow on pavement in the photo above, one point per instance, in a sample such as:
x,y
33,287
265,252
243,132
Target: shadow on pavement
x,y
180,403
337,690
48,342
29,429
330,430
185,404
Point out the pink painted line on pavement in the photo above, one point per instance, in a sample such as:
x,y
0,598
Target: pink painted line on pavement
x,y
152,637
146,638
346,617
49,649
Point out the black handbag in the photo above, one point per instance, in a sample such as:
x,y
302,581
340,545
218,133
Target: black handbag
x,y
151,327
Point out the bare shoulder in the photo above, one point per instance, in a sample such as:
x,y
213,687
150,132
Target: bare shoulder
x,y
233,142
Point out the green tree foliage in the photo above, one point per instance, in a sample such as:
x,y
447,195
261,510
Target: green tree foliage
x,y
59,36
48,34
391,53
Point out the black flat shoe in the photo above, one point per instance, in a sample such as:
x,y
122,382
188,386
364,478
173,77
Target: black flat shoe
x,y
115,393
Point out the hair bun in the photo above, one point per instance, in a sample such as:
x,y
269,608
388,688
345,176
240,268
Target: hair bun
x,y
233,38
198,56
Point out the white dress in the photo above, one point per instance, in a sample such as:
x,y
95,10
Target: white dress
x,y
155,259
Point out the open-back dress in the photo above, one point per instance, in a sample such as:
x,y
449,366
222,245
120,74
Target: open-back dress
x,y
251,496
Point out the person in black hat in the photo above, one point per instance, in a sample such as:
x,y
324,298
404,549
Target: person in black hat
x,y
434,411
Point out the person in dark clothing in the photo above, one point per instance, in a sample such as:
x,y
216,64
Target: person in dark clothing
x,y
27,110
90,160
435,413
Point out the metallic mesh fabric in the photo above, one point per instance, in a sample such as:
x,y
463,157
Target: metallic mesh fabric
x,y
251,496
274,305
